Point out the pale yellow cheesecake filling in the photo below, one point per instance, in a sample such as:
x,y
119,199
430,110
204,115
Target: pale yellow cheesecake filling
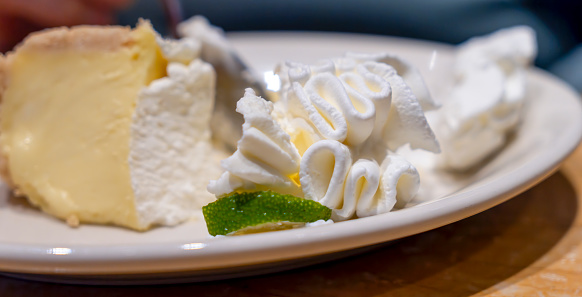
x,y
65,121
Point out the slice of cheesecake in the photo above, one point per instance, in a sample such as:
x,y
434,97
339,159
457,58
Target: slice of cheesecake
x,y
99,125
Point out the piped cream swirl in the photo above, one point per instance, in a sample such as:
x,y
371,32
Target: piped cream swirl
x,y
264,156
334,122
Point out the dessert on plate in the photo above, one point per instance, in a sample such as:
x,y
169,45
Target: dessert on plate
x,y
336,129
331,137
108,125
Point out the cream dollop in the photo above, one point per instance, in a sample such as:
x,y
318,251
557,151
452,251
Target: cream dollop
x,y
171,158
181,50
264,156
368,189
337,120
488,96
407,71
324,168
366,103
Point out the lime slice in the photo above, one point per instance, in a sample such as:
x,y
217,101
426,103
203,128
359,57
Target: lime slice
x,y
244,213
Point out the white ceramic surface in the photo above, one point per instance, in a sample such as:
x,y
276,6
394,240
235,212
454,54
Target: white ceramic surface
x,y
37,246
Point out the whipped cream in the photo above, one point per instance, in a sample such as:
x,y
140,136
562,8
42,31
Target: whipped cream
x,y
171,157
265,157
214,45
331,135
182,50
487,99
407,71
359,103
319,223
232,77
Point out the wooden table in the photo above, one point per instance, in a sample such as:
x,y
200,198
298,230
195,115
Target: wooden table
x,y
528,246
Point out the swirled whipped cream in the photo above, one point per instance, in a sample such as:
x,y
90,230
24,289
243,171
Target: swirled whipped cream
x,y
331,135
487,98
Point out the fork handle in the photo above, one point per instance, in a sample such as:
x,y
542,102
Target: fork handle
x,y
173,15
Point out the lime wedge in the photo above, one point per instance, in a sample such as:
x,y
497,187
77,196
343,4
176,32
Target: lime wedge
x,y
244,213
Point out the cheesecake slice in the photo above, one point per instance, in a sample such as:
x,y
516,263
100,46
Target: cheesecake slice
x,y
104,125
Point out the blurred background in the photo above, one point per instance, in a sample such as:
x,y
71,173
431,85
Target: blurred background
x,y
558,23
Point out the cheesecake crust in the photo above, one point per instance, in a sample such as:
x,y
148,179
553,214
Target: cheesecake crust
x,y
89,38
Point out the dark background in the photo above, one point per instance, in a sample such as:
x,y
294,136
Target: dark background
x,y
558,24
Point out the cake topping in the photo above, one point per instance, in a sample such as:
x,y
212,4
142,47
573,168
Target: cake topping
x,y
407,71
488,95
339,125
265,158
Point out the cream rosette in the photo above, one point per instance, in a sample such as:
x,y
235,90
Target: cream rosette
x,y
363,188
331,135
265,157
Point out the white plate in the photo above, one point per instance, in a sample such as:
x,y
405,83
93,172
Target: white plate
x,y
37,246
